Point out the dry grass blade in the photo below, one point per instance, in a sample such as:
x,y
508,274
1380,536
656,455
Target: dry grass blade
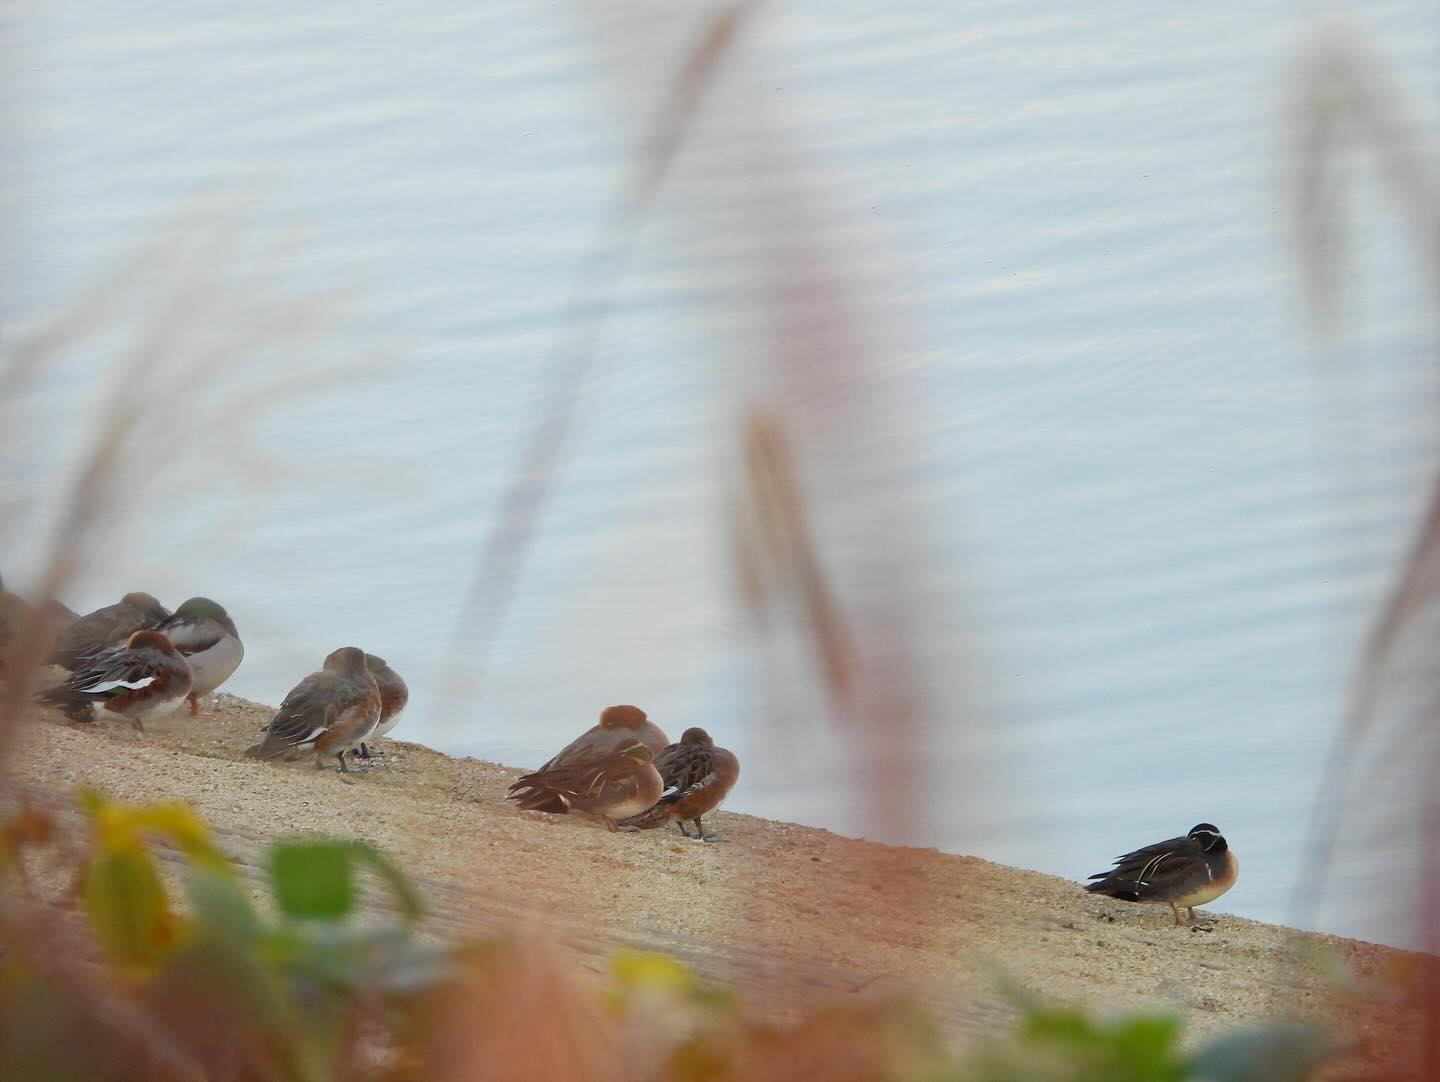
x,y
193,307
1317,211
776,543
516,520
1344,99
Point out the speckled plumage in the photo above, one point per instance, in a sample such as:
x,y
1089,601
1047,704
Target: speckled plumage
x,y
697,777
613,784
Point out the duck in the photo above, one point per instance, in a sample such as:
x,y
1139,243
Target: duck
x,y
203,632
617,726
105,627
142,679
1180,872
394,694
328,712
609,786
697,776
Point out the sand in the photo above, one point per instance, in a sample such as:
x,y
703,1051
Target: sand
x,y
796,915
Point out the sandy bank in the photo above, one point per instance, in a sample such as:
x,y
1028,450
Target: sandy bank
x,y
797,915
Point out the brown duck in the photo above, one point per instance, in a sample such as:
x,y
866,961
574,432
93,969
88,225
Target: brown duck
x,y
328,712
697,777
610,785
1181,872
394,694
105,627
618,725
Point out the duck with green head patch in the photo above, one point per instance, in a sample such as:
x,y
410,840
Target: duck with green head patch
x,y
143,679
203,632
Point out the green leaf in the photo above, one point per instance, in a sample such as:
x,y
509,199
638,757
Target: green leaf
x,y
1279,1052
313,880
221,906
128,909
1060,1026
412,908
1146,1045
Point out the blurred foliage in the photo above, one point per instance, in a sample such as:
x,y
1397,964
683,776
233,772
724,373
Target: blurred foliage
x,y
136,973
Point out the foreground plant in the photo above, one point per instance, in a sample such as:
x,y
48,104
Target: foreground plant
x,y
113,978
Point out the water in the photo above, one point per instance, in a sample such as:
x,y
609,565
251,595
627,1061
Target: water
x,y
1153,528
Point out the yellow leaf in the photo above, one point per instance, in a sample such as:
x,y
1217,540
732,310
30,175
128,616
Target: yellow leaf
x,y
120,828
644,970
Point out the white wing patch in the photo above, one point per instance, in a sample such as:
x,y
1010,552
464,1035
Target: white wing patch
x,y
111,685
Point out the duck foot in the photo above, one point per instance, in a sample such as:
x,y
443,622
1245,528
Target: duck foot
x,y
700,834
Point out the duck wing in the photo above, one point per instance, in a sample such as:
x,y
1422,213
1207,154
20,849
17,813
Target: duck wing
x,y
92,634
1153,872
112,671
683,766
570,784
305,715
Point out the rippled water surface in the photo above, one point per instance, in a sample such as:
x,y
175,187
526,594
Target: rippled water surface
x,y
1156,521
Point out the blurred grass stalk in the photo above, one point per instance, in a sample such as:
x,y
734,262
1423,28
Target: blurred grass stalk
x,y
824,538
809,419
810,428
1344,103
189,317
181,318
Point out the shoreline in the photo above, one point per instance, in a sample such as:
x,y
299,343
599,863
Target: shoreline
x,y
795,916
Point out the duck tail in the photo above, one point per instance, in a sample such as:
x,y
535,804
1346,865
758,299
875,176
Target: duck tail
x,y
1123,891
532,797
73,704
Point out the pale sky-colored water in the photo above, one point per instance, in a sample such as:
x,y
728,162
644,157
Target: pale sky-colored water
x,y
1148,526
